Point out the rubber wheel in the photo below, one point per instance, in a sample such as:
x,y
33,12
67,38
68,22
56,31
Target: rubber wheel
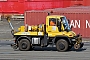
x,y
81,45
62,45
24,45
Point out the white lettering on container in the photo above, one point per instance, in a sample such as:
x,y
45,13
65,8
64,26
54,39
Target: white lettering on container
x,y
75,23
87,24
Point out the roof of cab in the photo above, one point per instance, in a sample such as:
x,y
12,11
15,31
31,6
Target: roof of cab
x,y
55,16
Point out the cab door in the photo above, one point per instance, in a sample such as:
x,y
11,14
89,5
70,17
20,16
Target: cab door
x,y
52,28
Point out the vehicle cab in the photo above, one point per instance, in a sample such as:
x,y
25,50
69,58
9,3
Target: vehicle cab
x,y
61,26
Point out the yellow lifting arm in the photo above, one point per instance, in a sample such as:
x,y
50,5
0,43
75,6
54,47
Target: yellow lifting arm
x,y
12,29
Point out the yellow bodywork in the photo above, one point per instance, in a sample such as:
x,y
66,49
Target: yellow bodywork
x,y
51,30
64,33
21,31
53,33
29,33
59,28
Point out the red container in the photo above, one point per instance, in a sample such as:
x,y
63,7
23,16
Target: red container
x,y
45,0
80,2
66,3
86,3
35,17
80,19
19,6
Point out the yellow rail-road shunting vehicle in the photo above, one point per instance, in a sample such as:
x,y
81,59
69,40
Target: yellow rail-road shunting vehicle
x,y
57,33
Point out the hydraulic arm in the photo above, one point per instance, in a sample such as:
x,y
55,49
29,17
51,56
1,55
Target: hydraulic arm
x,y
12,28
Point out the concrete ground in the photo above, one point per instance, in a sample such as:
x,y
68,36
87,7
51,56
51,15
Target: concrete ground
x,y
5,30
48,53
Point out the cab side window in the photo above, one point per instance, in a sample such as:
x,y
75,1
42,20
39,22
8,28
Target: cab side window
x,y
52,21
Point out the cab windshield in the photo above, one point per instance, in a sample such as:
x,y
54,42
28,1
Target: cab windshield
x,y
65,23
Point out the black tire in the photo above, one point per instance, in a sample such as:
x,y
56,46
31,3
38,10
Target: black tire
x,y
81,45
62,45
24,45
